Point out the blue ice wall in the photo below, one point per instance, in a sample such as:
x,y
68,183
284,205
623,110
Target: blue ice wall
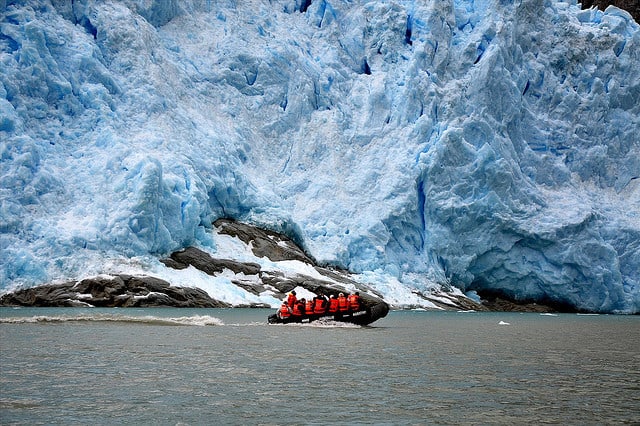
x,y
487,145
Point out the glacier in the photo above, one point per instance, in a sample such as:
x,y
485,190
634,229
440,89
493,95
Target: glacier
x,y
485,146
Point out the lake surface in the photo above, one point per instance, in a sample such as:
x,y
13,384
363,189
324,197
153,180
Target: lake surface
x,y
158,366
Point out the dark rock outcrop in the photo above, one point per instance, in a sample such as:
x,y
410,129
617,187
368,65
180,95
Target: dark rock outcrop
x,y
112,291
497,301
631,6
210,265
272,245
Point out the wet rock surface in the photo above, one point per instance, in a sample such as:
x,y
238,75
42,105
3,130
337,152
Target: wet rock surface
x,y
208,264
495,301
112,291
272,245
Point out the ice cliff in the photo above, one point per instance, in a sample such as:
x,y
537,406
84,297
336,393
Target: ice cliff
x,y
488,145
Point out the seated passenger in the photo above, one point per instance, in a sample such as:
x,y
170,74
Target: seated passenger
x,y
298,310
308,308
284,312
333,304
343,304
319,304
354,302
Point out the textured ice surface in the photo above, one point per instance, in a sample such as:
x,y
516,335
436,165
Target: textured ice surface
x,y
478,144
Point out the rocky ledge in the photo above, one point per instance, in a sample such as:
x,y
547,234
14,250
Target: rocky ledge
x,y
147,291
112,291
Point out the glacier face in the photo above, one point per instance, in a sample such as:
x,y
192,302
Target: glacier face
x,y
487,145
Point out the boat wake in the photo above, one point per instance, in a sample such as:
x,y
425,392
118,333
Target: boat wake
x,y
197,320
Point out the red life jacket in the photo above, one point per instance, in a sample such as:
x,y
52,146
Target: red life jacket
x,y
354,302
343,304
291,300
308,309
333,305
319,308
284,311
298,309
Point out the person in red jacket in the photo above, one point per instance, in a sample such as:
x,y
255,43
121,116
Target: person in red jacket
x,y
284,312
333,305
291,299
354,302
308,308
343,304
297,312
319,304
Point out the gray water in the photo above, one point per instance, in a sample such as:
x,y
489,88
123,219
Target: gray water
x,y
149,366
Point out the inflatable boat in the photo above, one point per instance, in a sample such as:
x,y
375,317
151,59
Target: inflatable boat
x,y
368,314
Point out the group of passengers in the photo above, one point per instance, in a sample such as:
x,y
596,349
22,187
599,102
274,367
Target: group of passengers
x,y
296,309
